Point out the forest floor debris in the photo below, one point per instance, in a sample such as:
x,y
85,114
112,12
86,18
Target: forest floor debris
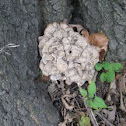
x,y
66,95
69,102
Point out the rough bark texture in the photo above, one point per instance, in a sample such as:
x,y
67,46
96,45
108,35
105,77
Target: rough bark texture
x,y
22,101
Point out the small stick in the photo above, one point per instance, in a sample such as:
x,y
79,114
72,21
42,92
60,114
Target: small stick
x,y
103,118
91,115
117,118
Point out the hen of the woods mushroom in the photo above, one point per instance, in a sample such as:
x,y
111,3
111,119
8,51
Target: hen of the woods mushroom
x,y
66,55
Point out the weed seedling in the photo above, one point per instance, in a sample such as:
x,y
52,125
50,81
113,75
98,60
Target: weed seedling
x,y
92,100
110,70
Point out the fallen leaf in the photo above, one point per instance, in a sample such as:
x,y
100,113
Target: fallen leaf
x,y
43,78
122,90
67,119
97,39
67,106
62,123
102,54
122,106
85,33
122,83
110,113
122,122
112,95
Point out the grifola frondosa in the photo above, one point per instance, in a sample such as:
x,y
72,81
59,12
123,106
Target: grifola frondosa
x,y
66,55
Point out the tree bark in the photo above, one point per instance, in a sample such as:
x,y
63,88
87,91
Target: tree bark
x,y
24,102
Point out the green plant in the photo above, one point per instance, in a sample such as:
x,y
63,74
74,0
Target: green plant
x,y
85,121
110,69
92,100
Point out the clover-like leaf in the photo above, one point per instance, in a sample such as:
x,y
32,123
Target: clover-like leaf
x,y
92,89
110,75
98,66
99,102
103,77
106,65
117,67
83,92
91,104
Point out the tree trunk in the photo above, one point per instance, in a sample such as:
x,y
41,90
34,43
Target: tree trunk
x,y
24,102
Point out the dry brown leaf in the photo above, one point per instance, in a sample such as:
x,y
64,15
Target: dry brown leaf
x,y
97,39
67,119
122,122
110,113
102,55
67,106
43,78
100,40
118,76
112,95
122,106
62,123
122,89
122,83
85,33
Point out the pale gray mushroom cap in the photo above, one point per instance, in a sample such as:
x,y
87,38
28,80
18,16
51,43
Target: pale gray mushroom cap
x,y
66,55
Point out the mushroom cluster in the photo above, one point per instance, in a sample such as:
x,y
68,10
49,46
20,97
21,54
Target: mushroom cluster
x,y
66,55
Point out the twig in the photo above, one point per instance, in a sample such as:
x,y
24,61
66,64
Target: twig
x,y
122,106
77,103
117,118
91,115
103,118
95,75
11,45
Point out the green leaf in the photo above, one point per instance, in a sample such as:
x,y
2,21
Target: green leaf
x,y
85,121
117,67
92,89
110,75
92,105
98,66
106,65
103,77
97,103
83,92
